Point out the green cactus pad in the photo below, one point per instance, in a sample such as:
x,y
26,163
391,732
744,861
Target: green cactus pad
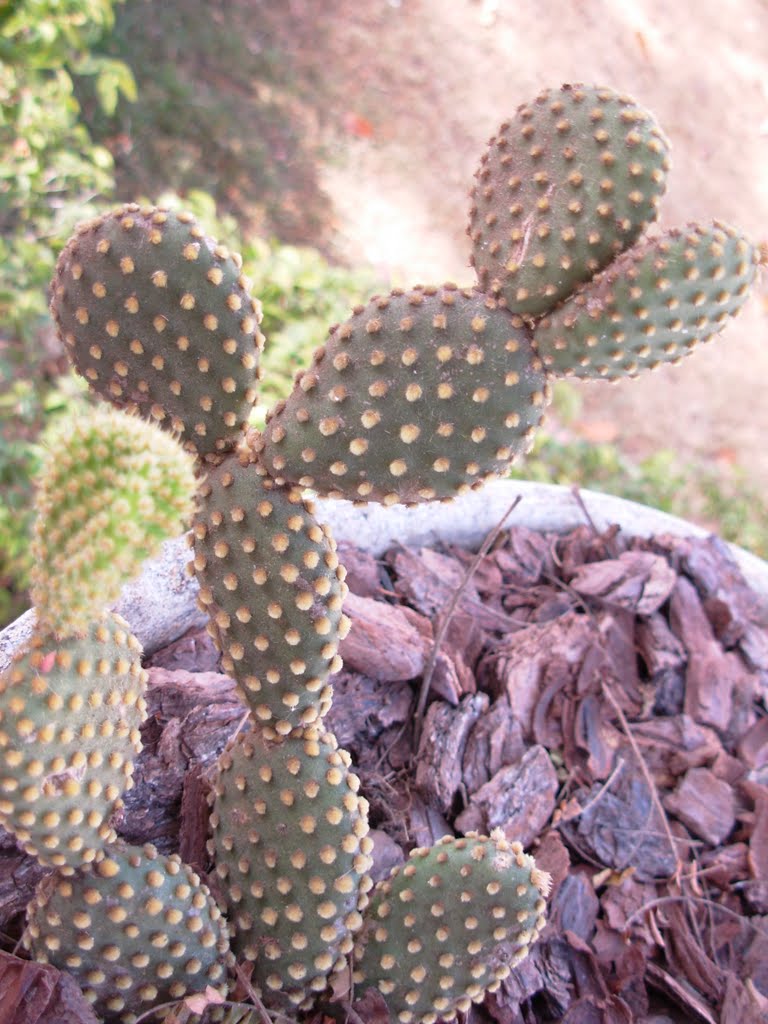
x,y
652,305
273,588
111,489
566,184
290,838
447,926
419,395
158,318
137,930
70,713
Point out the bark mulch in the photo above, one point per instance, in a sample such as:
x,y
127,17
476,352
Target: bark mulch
x,y
602,699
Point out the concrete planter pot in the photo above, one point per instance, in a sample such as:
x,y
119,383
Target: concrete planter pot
x,y
160,605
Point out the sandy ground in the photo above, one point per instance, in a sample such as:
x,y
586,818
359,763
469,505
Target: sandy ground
x,y
418,86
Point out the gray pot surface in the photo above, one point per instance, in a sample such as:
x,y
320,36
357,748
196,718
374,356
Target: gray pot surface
x,y
160,605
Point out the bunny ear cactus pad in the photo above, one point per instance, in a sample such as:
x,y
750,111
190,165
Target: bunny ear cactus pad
x,y
136,930
652,305
419,395
447,926
158,318
272,585
567,183
70,714
111,489
290,837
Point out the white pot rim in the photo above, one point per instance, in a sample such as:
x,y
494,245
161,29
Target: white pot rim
x,y
160,604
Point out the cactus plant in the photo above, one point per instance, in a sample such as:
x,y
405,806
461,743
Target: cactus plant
x,y
137,930
565,185
111,488
70,712
290,837
651,305
272,585
419,396
157,317
446,927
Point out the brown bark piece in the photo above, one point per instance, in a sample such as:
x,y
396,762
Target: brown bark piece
x,y
622,828
363,709
496,740
576,906
191,718
637,581
383,642
441,750
705,805
519,799
712,673
525,559
428,580
364,574
533,660
32,993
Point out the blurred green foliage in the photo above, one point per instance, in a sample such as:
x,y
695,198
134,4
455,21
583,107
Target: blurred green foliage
x,y
50,170
49,166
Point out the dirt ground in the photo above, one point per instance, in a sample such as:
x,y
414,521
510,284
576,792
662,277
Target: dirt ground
x,y
418,86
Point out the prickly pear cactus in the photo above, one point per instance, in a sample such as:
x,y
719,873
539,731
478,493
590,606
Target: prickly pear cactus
x,y
447,926
567,183
137,930
290,837
158,317
652,305
70,713
420,395
112,487
272,585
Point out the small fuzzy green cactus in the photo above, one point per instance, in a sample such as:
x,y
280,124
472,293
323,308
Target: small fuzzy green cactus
x,y
158,318
111,489
272,585
652,305
448,926
567,183
421,394
137,930
70,713
290,837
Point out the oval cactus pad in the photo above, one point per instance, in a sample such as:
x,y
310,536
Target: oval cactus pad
x,y
564,186
158,318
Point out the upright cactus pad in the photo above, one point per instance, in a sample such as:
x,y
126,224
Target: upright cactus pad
x,y
447,926
290,836
652,305
272,585
158,317
137,930
566,184
70,713
111,489
419,395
